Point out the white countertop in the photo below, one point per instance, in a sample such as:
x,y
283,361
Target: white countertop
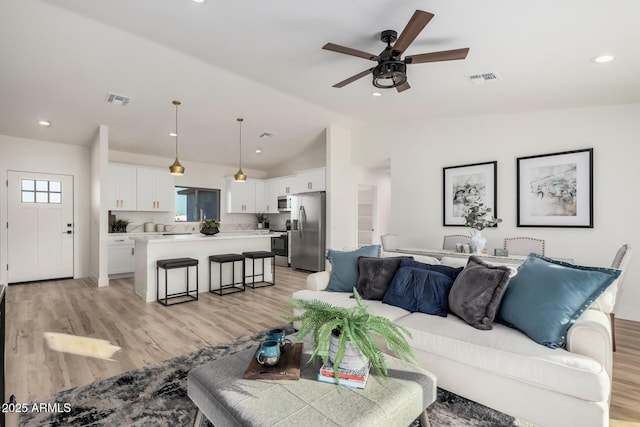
x,y
160,238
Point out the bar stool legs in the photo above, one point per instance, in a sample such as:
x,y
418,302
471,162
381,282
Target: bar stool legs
x,y
169,264
227,288
259,255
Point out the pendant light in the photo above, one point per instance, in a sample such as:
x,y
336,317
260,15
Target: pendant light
x,y
176,168
240,176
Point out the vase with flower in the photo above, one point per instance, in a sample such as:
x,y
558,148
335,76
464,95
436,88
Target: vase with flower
x,y
478,217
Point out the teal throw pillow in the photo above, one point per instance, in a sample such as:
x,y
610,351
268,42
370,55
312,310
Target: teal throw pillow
x,y
344,267
547,296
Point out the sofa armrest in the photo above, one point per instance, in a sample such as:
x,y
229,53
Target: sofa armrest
x,y
318,281
590,336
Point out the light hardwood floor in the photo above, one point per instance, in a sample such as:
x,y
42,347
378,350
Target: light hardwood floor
x,y
150,333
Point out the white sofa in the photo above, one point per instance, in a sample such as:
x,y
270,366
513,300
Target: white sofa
x,y
502,368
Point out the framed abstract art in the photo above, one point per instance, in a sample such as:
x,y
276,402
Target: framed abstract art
x,y
556,190
467,184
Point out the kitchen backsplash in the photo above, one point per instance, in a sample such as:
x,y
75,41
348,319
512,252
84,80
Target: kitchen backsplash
x,y
229,222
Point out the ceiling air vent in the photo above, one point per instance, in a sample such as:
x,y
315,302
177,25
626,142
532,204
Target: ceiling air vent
x,y
115,99
484,78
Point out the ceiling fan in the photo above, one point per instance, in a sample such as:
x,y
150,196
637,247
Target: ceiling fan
x,y
391,70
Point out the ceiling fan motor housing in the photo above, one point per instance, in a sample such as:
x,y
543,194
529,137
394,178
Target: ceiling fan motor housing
x,y
389,74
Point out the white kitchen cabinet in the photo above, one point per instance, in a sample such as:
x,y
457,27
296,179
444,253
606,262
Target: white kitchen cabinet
x,y
155,190
121,255
271,193
310,180
122,187
286,185
240,197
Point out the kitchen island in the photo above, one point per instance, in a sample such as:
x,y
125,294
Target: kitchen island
x,y
150,249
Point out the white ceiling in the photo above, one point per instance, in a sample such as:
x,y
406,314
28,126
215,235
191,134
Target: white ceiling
x,y
262,60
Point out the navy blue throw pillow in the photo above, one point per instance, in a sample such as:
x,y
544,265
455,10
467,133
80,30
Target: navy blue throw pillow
x,y
451,272
417,289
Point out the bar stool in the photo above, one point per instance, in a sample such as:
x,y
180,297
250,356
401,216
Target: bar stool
x,y
253,256
171,264
227,288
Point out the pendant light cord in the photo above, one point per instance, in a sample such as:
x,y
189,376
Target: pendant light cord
x,y
176,129
240,121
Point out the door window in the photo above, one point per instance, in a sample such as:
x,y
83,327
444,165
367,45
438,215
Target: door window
x,y
40,191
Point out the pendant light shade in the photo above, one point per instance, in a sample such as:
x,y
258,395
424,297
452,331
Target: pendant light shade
x,y
240,175
176,168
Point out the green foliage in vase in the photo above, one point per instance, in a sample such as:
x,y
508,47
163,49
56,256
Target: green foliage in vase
x,y
120,225
261,217
355,324
210,223
479,216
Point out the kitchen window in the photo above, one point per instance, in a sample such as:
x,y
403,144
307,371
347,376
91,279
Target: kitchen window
x,y
194,204
41,191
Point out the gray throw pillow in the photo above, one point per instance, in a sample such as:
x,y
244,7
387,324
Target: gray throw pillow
x,y
374,276
477,291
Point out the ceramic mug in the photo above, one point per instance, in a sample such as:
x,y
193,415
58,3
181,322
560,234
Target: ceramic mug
x,y
269,353
278,335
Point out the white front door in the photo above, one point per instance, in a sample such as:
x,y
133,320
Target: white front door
x,y
40,226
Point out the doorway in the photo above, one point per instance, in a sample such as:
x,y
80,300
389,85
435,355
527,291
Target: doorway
x,y
366,214
40,226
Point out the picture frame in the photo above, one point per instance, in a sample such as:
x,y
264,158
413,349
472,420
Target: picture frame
x,y
555,190
464,184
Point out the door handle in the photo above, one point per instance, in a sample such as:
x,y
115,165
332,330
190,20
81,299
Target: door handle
x,y
67,232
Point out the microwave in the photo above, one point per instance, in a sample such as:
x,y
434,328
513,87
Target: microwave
x,y
284,203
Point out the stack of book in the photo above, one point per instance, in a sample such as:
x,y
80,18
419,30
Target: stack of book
x,y
354,378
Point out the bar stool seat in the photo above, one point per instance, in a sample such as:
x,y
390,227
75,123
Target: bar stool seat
x,y
259,255
227,288
170,264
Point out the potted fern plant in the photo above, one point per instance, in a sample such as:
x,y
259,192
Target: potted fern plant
x,y
209,227
336,330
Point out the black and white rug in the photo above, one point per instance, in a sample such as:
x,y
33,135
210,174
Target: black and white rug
x,y
157,396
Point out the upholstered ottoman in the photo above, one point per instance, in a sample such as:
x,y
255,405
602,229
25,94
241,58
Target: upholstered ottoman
x,y
222,395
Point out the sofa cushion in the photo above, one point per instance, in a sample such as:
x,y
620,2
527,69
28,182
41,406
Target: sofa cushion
x,y
417,289
547,296
452,272
374,276
477,291
508,353
344,267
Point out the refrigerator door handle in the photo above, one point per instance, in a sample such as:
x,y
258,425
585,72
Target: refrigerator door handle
x,y
303,219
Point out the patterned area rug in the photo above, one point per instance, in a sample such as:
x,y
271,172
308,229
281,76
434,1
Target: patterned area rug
x,y
157,396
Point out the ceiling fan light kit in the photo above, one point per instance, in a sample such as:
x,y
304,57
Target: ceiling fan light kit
x,y
176,168
391,71
240,176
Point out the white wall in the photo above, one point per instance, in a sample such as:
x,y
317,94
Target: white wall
x,y
419,151
381,181
341,180
47,157
314,157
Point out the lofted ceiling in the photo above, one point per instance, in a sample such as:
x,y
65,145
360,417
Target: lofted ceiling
x,y
263,61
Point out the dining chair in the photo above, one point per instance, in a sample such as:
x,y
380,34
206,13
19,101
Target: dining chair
x,y
524,245
449,242
389,241
621,262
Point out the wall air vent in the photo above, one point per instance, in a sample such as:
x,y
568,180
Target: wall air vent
x,y
484,78
120,100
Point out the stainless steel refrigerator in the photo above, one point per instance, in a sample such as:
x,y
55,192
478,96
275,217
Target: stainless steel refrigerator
x,y
308,231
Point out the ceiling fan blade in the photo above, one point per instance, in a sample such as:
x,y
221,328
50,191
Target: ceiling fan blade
x,y
349,51
445,55
353,78
404,86
417,22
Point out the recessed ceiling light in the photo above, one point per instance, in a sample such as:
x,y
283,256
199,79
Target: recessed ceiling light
x,y
266,135
44,123
258,150
198,1
173,134
376,94
603,58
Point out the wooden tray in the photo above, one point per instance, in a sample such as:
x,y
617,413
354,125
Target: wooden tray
x,y
288,368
